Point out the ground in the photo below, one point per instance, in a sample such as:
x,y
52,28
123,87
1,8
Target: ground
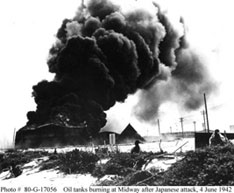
x,y
31,173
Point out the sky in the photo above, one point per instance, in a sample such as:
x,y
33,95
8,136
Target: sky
x,y
27,32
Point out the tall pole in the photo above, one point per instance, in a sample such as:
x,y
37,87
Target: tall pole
x,y
204,119
207,119
182,126
159,131
194,124
14,134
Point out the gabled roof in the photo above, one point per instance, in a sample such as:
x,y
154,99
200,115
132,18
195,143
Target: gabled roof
x,y
130,133
113,128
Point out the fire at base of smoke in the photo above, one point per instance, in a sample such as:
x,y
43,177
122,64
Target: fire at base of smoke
x,y
104,55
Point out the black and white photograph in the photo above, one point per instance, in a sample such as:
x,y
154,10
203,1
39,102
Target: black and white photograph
x,y
115,96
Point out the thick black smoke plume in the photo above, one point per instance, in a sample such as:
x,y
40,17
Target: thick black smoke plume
x,y
102,55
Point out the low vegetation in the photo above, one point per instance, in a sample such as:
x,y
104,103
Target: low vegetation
x,y
208,166
73,162
13,158
121,164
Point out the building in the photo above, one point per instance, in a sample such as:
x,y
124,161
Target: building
x,y
128,135
50,135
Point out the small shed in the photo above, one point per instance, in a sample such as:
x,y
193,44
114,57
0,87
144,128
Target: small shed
x,y
128,135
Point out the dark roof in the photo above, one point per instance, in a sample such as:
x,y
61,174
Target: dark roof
x,y
130,133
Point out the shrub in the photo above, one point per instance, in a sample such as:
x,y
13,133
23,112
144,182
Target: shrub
x,y
121,164
73,162
209,166
137,178
14,158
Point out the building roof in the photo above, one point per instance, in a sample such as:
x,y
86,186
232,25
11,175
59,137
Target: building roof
x,y
130,133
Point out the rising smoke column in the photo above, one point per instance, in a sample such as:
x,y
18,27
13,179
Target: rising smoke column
x,y
184,76
101,56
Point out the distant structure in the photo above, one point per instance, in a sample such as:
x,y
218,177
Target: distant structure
x,y
53,135
128,135
177,135
50,135
202,139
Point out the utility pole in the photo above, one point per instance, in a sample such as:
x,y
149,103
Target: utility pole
x,y
170,129
14,135
182,126
204,119
207,119
159,130
194,124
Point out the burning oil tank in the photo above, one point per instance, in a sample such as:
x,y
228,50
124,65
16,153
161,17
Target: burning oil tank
x,y
104,54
